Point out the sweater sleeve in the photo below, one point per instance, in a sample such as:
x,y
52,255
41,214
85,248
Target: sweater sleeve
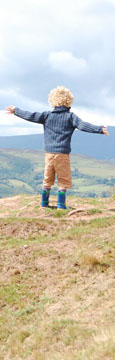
x,y
35,117
85,126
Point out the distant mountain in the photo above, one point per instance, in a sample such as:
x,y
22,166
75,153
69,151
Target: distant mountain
x,y
92,145
95,145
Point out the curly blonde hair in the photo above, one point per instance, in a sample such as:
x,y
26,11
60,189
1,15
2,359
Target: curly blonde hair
x,y
60,96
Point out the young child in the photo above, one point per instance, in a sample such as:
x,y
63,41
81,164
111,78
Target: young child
x,y
59,126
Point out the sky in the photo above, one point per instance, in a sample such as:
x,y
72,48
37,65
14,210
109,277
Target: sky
x,y
46,43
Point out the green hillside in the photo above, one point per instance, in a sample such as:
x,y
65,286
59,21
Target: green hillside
x,y
22,172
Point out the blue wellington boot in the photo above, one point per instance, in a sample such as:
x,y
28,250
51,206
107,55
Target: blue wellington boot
x,y
45,198
61,199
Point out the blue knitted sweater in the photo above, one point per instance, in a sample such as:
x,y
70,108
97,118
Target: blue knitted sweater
x,y
59,126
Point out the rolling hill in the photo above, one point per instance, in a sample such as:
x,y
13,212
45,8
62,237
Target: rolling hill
x,y
21,171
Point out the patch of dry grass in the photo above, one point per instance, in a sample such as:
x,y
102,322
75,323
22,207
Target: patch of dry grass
x,y
57,285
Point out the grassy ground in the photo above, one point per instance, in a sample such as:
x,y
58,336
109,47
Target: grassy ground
x,y
57,280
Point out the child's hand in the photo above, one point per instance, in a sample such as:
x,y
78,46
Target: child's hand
x,y
10,109
105,131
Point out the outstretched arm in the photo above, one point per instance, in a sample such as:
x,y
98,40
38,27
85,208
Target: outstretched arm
x,y
87,127
26,115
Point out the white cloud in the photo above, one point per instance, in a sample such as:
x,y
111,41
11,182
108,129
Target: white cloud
x,y
65,62
1,48
47,42
94,117
14,131
19,100
12,125
9,92
112,1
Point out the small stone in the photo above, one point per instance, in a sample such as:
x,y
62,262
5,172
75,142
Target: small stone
x,y
25,246
16,272
76,264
